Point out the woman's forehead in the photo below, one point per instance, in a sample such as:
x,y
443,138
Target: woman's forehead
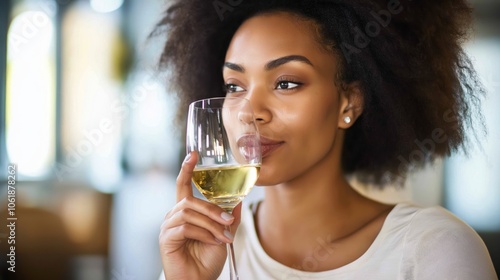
x,y
272,35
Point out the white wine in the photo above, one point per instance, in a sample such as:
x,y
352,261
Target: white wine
x,y
226,186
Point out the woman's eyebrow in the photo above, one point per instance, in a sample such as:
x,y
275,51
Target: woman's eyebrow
x,y
282,60
234,66
271,64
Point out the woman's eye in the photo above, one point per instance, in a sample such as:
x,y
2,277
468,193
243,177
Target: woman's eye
x,y
287,85
233,88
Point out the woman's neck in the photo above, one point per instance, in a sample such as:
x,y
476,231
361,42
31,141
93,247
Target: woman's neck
x,y
301,217
319,197
319,203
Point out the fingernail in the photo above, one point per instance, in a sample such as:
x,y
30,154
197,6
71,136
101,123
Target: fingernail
x,y
188,156
226,216
218,241
228,235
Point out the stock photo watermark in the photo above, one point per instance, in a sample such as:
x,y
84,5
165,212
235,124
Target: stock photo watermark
x,y
322,252
11,216
122,275
424,147
382,19
120,109
85,147
222,7
29,24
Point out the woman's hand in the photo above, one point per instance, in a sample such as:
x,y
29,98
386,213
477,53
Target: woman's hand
x,y
193,236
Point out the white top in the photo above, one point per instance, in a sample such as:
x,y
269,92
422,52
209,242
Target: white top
x,y
414,243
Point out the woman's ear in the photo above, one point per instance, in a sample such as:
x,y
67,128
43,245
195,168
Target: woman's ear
x,y
351,104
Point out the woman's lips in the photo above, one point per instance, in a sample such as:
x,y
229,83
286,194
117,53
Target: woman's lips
x,y
249,147
248,140
247,144
269,145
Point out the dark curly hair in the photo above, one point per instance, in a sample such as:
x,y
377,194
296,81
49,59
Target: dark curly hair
x,y
420,89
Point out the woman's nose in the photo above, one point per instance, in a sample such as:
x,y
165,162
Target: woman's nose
x,y
246,117
258,101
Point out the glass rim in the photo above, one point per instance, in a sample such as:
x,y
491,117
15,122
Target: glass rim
x,y
219,98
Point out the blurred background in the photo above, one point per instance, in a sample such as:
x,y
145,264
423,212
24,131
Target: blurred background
x,y
89,123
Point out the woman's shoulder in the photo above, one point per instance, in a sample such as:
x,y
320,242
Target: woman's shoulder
x,y
438,243
429,225
435,220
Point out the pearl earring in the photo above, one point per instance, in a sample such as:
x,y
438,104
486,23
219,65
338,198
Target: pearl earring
x,y
347,119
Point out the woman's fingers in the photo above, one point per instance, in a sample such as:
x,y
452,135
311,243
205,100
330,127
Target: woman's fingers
x,y
191,217
185,197
191,213
208,209
183,233
184,179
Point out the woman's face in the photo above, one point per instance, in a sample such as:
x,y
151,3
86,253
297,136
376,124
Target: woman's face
x,y
276,62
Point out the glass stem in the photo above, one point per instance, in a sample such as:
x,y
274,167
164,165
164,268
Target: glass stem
x,y
233,275
232,260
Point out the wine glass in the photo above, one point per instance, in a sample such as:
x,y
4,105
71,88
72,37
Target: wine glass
x,y
223,132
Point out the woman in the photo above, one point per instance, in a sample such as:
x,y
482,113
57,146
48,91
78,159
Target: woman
x,y
338,88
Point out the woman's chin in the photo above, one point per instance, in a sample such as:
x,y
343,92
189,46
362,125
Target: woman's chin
x,y
266,181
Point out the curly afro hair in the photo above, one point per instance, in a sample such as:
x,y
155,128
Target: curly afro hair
x,y
420,89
